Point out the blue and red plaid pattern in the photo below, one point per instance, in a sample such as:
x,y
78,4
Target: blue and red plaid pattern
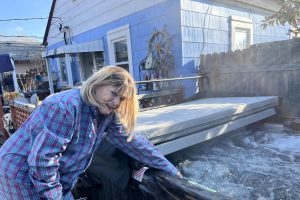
x,y
46,155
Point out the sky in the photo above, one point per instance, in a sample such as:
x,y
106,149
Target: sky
x,y
11,9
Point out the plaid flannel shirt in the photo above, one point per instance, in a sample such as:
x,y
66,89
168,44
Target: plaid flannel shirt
x,y
45,156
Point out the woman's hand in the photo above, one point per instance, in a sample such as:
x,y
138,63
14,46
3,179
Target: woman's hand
x,y
179,175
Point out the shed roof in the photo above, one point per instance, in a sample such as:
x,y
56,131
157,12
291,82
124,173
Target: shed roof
x,y
22,51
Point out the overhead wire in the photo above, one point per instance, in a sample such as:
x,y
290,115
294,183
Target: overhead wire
x,y
29,36
32,18
22,19
29,18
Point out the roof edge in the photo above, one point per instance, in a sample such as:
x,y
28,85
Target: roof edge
x,y
263,6
49,23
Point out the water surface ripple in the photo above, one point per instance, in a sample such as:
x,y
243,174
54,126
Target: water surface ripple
x,y
261,164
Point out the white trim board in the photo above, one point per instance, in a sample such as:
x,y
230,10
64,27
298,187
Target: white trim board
x,y
114,35
241,23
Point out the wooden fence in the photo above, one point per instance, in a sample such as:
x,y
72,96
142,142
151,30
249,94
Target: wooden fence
x,y
271,69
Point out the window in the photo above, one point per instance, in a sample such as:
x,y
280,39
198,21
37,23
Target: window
x,y
241,33
98,59
86,60
75,69
241,38
119,47
90,62
63,70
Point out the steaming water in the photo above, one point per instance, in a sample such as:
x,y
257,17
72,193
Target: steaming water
x,y
261,164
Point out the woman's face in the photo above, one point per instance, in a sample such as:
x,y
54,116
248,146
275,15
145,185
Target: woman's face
x,y
108,97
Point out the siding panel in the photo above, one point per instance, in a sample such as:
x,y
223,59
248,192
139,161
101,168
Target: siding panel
x,y
86,15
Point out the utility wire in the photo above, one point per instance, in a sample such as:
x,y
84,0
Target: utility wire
x,y
32,18
23,36
22,19
27,19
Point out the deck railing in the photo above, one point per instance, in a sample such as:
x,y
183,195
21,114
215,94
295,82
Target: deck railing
x,y
163,96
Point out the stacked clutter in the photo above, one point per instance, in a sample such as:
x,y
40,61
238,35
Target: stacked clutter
x,y
32,79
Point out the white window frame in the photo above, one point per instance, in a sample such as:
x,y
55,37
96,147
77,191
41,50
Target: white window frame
x,y
242,24
69,81
116,35
69,70
49,70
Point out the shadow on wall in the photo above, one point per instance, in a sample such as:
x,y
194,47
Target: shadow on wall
x,y
190,86
193,88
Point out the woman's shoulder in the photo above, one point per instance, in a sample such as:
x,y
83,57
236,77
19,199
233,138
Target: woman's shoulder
x,y
66,98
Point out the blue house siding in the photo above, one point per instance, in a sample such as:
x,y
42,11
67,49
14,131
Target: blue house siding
x,y
208,24
142,25
205,28
195,26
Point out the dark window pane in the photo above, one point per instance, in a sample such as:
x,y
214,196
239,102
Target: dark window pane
x,y
99,60
87,63
125,66
121,53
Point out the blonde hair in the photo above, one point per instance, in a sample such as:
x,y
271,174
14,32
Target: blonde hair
x,y
127,111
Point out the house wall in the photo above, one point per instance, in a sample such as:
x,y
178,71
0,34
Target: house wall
x,y
83,15
142,25
205,28
196,27
267,69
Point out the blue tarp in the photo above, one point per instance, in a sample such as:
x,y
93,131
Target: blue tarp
x,y
5,63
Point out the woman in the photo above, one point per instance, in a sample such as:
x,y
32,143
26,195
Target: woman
x,y
45,156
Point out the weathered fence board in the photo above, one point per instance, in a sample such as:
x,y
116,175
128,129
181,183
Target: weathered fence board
x,y
264,69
